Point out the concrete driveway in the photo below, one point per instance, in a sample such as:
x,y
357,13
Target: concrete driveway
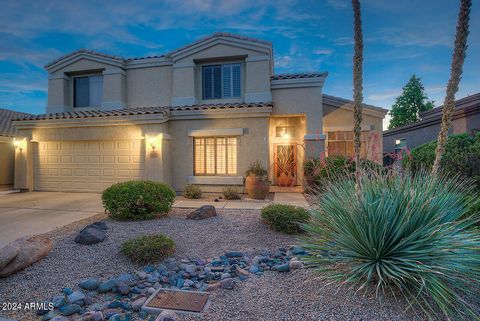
x,y
30,213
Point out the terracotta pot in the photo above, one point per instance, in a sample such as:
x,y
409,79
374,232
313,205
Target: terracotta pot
x,y
285,179
257,187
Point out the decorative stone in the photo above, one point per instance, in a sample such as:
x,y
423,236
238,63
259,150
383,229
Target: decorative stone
x,y
67,291
99,225
123,289
70,309
296,250
254,269
296,265
107,286
89,284
75,296
98,316
202,213
137,304
88,316
90,235
59,318
283,267
22,253
213,286
228,283
142,275
234,254
242,272
151,290
190,268
167,315
225,276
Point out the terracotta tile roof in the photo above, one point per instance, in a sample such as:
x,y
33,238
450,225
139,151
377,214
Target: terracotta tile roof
x,y
6,117
139,111
298,75
337,101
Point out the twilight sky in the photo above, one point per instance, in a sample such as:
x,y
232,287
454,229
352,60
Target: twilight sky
x,y
401,38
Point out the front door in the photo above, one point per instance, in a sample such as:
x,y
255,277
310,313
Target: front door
x,y
285,165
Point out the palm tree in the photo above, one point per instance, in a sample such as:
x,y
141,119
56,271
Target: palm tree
x,y
456,70
357,88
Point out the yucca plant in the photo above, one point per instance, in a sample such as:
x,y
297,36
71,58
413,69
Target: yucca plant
x,y
405,234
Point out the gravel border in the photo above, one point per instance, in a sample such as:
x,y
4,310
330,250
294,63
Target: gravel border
x,y
299,295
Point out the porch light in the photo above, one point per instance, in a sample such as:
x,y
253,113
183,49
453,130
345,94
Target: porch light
x,y
152,141
285,134
19,143
397,141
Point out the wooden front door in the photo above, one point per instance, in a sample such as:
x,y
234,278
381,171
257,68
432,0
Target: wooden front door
x,y
285,164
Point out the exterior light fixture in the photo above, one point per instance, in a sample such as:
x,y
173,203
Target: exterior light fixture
x,y
397,141
152,142
19,143
285,134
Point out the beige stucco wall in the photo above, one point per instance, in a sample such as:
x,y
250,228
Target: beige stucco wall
x,y
251,146
149,86
339,119
7,162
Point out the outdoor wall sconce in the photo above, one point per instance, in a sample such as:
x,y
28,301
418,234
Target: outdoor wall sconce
x,y
19,144
153,144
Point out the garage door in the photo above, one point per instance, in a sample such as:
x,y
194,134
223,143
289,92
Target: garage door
x,y
86,166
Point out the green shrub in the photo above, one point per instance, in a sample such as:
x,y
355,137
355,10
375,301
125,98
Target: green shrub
x,y
192,191
256,168
462,155
138,200
230,193
285,218
148,248
403,232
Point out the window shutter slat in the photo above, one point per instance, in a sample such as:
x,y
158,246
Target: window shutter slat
x,y
207,82
96,91
82,92
217,82
227,81
236,80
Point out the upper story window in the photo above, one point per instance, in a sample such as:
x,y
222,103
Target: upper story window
x,y
88,91
221,81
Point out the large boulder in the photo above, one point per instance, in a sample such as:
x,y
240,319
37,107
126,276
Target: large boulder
x,y
202,213
90,235
22,253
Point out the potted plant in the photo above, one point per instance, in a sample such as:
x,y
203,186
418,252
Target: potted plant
x,y
256,181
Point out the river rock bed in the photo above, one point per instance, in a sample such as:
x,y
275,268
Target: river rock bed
x,y
121,298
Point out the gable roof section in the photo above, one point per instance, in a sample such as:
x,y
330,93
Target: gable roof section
x,y
346,103
6,117
163,110
84,54
261,46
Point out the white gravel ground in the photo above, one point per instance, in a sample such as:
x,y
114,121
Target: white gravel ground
x,y
300,295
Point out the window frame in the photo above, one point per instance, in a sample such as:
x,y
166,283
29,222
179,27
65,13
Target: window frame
x,y
222,94
363,141
204,138
73,91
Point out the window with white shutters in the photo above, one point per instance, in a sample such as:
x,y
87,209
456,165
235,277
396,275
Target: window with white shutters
x,y
88,91
221,81
215,155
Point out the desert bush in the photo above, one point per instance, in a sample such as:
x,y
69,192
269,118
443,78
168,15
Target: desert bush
x,y
462,157
192,191
402,233
138,200
285,218
335,167
148,248
230,193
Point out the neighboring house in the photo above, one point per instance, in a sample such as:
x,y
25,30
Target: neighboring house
x,y
199,114
7,147
466,119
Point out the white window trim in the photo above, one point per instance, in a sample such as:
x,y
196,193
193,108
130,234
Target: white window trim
x,y
220,100
72,90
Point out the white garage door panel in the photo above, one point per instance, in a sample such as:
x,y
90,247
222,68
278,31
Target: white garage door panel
x,y
87,166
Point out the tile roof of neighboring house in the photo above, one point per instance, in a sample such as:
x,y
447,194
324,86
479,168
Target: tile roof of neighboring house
x,y
6,117
464,106
299,75
337,101
140,111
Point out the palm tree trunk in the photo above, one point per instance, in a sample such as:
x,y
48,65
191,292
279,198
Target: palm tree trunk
x,y
456,70
357,88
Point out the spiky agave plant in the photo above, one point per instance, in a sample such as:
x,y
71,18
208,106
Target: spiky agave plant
x,y
404,234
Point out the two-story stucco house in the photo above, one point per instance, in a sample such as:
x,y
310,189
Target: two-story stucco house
x,y
199,114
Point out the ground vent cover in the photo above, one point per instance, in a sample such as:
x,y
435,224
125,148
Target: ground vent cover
x,y
176,300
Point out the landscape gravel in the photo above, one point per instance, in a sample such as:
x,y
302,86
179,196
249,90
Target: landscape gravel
x,y
298,295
